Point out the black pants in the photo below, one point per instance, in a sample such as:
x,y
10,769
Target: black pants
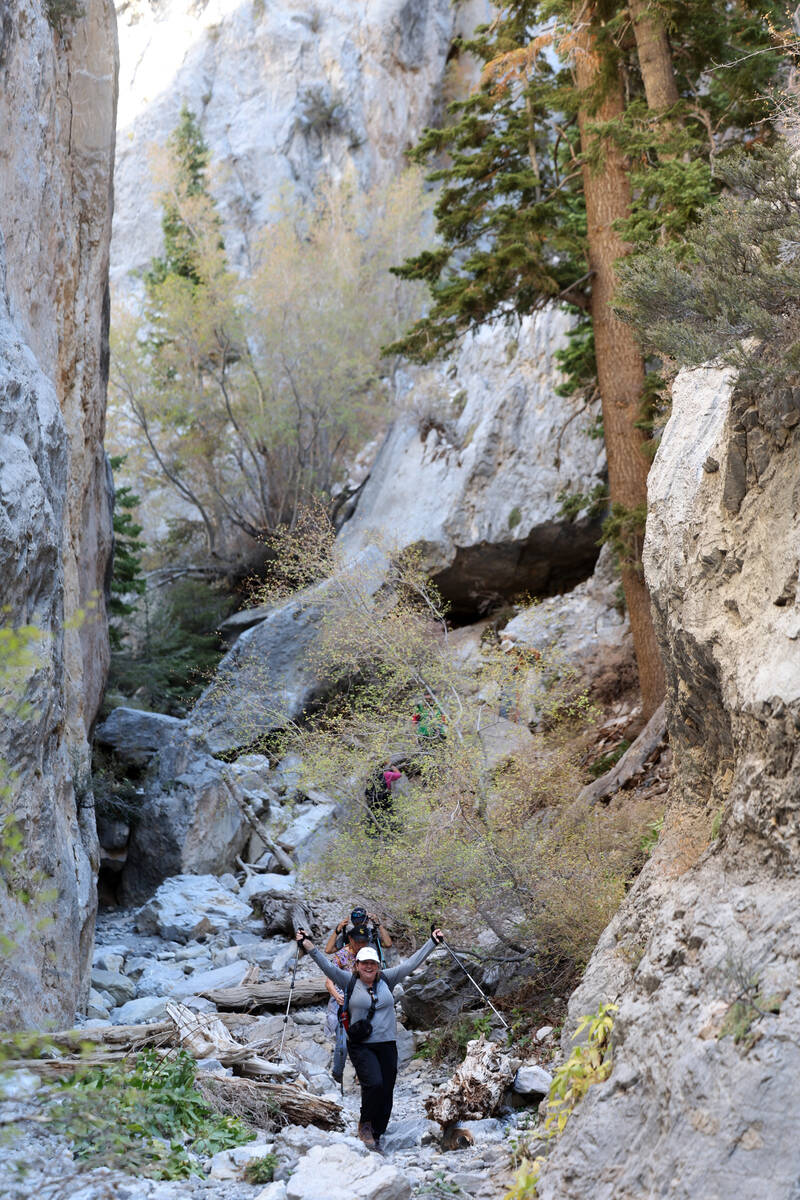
x,y
376,1068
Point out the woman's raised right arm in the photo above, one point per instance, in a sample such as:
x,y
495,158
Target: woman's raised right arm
x,y
339,977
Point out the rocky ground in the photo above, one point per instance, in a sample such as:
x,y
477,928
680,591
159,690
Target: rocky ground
x,y
197,934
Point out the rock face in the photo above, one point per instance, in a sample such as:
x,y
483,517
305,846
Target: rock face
x,y
189,819
272,673
289,94
472,473
703,1093
57,112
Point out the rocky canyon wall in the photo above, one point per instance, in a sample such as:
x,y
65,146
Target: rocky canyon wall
x,y
57,111
290,94
704,956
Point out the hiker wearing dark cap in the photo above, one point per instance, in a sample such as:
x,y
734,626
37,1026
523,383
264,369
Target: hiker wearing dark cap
x,y
371,1026
378,936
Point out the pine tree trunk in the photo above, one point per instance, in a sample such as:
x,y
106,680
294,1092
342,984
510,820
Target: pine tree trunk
x,y
655,56
620,368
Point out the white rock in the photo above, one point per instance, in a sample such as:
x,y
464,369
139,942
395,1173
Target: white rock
x,y
230,882
376,68
188,906
108,959
159,979
226,955
140,1011
269,885
302,838
198,1004
228,1164
339,1173
544,1033
17,1085
273,1191
532,1080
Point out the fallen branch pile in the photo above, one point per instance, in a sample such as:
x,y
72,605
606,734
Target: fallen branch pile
x,y
268,1105
266,1093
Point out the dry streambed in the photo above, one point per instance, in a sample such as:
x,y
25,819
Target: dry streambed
x,y
163,978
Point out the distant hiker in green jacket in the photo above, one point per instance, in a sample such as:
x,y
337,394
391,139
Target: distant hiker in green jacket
x,y
371,1026
428,719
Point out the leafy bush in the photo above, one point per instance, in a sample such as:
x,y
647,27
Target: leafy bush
x,y
448,1043
261,1170
149,1120
589,1062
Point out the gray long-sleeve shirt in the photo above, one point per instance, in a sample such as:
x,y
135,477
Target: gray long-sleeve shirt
x,y
384,1020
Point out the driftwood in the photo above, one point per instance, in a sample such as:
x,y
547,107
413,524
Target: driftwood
x,y
268,1104
274,994
204,1036
477,1087
632,762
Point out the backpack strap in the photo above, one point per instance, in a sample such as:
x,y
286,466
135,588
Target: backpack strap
x,y
348,992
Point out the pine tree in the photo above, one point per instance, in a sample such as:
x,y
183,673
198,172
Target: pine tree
x,y
593,135
127,580
190,153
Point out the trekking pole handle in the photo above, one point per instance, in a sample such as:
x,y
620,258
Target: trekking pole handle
x,y
476,985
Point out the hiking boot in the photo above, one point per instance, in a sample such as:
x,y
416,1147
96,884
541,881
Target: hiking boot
x,y
367,1136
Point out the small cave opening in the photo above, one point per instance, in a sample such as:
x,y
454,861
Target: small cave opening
x,y
118,788
553,559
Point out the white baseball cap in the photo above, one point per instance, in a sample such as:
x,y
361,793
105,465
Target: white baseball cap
x,y
367,954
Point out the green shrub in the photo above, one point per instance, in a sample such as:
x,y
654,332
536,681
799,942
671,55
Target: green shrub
x,y
261,1170
448,1043
148,1119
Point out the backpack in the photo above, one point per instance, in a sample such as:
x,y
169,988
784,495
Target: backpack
x,y
377,793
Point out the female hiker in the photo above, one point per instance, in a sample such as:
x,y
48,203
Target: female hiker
x,y
372,1033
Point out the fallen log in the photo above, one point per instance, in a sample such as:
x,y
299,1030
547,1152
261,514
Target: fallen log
x,y
270,1104
632,762
477,1087
273,995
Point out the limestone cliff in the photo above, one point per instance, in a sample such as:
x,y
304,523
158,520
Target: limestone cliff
x,y
290,94
471,472
57,111
703,957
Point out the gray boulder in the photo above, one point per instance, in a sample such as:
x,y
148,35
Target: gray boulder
x,y
188,906
438,995
206,981
271,676
118,986
135,736
190,820
532,1080
141,1011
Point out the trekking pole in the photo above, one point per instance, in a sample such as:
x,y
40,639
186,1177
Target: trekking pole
x,y
289,1001
476,985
